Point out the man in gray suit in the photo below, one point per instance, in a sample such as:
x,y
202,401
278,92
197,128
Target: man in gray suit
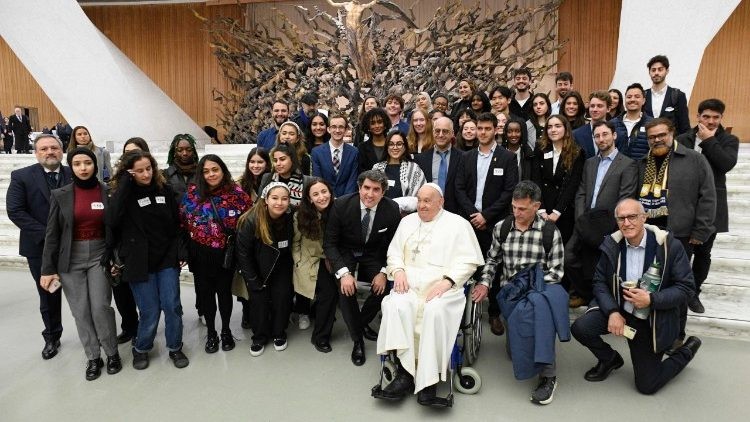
x,y
608,177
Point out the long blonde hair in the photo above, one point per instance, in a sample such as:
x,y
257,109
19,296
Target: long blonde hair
x,y
259,215
413,138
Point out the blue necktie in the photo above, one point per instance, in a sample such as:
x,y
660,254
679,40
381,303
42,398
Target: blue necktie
x,y
443,170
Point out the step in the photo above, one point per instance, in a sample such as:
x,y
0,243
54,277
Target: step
x,y
738,238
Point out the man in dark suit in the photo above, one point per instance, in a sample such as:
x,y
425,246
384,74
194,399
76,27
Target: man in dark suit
x,y
484,187
608,177
720,149
599,102
27,202
21,127
665,101
336,161
359,229
521,105
440,164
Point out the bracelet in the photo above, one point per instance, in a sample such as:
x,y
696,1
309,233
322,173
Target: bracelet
x,y
453,283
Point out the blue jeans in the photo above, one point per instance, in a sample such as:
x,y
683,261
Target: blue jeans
x,y
160,292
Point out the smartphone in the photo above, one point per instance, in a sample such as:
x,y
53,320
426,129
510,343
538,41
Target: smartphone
x,y
54,286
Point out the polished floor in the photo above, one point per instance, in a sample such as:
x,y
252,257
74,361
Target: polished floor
x,y
301,384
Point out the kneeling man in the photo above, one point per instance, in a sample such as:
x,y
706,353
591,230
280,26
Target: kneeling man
x,y
626,255
432,255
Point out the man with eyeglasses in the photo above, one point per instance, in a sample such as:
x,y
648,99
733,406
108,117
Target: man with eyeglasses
x,y
336,161
626,255
677,192
440,163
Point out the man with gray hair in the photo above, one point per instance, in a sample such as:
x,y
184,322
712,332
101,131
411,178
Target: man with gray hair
x,y
27,203
431,257
360,227
519,242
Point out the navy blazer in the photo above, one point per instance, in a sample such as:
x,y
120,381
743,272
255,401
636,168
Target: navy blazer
x,y
345,181
424,160
502,177
677,111
584,137
343,243
28,202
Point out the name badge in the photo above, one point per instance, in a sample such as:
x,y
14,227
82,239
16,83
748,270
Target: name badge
x,y
97,206
232,213
497,172
548,155
284,244
669,109
161,200
643,128
391,183
144,202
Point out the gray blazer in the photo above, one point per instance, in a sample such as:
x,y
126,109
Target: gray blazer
x,y
619,182
691,195
58,239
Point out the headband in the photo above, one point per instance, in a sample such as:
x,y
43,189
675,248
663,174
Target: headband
x,y
271,186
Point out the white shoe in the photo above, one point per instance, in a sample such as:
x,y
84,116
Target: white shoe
x,y
257,349
303,322
280,344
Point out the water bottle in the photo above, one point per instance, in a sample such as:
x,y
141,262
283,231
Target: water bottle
x,y
650,281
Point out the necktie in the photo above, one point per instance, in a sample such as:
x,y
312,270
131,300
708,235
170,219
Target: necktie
x,y
336,161
366,224
52,180
443,170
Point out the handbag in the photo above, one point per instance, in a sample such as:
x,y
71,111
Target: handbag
x,y
228,262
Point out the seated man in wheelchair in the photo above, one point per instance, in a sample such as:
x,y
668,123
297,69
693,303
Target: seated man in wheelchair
x,y
432,255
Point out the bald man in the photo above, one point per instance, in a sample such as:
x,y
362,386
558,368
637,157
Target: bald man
x,y
440,164
432,255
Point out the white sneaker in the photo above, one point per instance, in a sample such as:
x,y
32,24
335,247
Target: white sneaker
x,y
257,349
303,322
280,344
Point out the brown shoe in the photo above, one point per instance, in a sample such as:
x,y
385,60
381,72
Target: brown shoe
x,y
496,326
577,302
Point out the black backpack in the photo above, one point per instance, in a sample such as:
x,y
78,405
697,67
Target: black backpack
x,y
548,233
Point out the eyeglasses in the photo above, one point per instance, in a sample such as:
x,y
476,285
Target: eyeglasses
x,y
396,145
631,218
442,131
658,136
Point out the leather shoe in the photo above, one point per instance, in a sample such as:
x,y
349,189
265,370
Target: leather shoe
x,y
602,369
114,364
324,347
94,369
369,333
693,344
124,337
402,385
426,396
358,353
496,326
696,306
50,349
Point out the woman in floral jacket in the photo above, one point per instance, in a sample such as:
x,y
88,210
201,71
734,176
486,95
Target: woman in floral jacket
x,y
209,213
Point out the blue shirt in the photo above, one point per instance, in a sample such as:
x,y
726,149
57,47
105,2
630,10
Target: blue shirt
x,y
483,166
634,261
267,138
601,171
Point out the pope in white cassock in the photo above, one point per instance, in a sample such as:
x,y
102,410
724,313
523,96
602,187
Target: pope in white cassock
x,y
432,255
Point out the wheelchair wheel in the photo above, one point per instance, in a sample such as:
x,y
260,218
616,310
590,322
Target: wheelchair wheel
x,y
476,333
467,381
389,372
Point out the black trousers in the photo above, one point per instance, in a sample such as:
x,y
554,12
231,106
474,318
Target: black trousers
x,y
302,304
270,307
702,261
689,248
126,307
651,371
214,283
8,144
326,295
50,304
355,318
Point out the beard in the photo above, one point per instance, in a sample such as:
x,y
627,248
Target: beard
x,y
660,150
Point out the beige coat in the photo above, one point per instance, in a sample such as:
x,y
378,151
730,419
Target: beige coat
x,y
307,255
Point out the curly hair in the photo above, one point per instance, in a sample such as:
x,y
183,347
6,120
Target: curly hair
x,y
309,220
127,162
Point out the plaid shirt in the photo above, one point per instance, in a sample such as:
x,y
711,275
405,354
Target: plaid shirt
x,y
520,250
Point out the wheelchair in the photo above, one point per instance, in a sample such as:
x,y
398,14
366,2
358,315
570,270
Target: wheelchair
x,y
461,375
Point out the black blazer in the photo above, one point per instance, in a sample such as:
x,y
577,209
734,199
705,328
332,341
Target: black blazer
x,y
126,232
502,177
620,182
27,203
721,153
20,128
424,160
256,260
367,156
559,188
676,101
60,224
343,243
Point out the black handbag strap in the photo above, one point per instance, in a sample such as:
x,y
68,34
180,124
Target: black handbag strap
x,y
218,219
